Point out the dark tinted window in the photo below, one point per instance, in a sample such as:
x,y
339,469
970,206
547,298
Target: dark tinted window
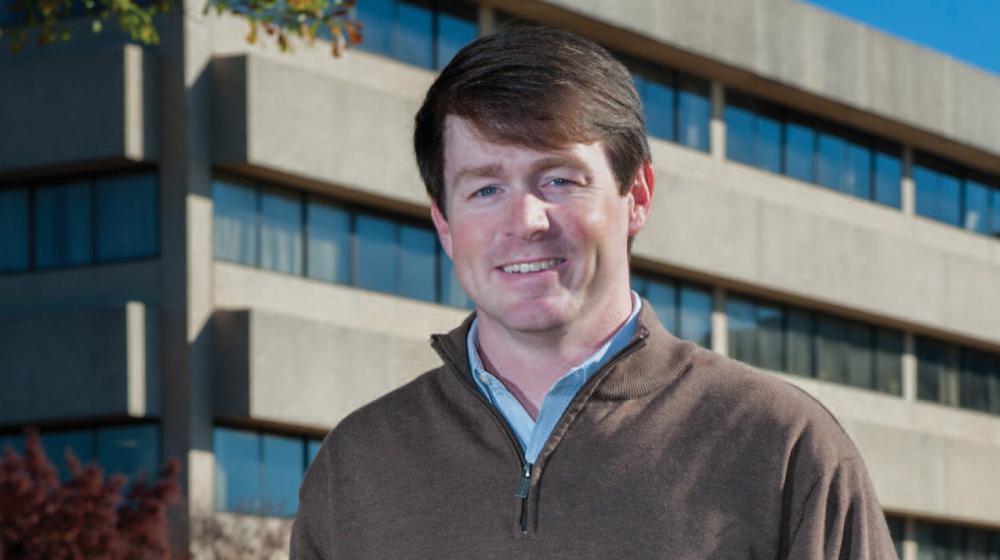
x,y
281,231
424,33
684,309
235,224
63,225
126,217
938,193
13,229
328,231
677,106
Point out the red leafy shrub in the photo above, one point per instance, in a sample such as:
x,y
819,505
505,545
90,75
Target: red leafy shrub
x,y
84,518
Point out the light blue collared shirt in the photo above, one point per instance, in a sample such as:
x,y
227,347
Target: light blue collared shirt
x,y
532,434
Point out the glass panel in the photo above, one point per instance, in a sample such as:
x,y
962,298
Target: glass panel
x,y
237,470
896,531
417,263
280,231
888,176
832,160
281,470
858,172
740,129
742,319
937,194
126,217
696,316
831,349
975,380
799,150
638,284
64,227
414,32
375,257
977,207
799,347
768,145
457,27
235,222
376,18
662,296
451,291
693,114
328,230
995,221
889,361
312,448
129,450
658,100
994,386
13,229
937,371
770,339
860,358
80,442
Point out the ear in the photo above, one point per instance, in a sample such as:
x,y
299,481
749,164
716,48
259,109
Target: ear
x,y
441,225
641,198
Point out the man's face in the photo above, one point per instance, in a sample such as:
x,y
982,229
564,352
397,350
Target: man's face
x,y
538,238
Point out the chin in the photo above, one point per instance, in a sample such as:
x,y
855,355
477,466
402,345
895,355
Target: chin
x,y
533,316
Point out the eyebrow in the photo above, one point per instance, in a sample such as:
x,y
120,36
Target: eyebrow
x,y
495,169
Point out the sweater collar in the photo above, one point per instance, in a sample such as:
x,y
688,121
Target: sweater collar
x,y
651,361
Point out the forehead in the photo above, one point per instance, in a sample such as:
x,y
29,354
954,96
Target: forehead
x,y
465,146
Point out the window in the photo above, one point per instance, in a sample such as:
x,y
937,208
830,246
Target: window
x,y
955,376
677,106
131,450
14,230
424,33
283,230
782,141
126,217
685,310
947,193
896,531
937,540
108,218
260,473
811,344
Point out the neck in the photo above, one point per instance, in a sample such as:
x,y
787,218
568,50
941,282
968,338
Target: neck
x,y
528,363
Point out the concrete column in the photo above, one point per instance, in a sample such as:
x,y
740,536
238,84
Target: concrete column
x,y
908,189
487,19
186,259
717,127
909,539
909,367
720,322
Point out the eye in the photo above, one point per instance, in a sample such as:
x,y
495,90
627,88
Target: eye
x,y
485,192
561,182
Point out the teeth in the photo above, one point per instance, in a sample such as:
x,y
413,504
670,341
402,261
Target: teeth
x,y
521,268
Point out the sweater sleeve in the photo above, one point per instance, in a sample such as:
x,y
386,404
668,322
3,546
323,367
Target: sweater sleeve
x,y
312,529
840,518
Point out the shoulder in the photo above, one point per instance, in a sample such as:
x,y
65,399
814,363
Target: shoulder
x,y
771,408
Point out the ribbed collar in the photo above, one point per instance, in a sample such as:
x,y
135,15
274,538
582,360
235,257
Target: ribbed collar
x,y
651,361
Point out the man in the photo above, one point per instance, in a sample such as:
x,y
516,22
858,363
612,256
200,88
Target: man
x,y
565,421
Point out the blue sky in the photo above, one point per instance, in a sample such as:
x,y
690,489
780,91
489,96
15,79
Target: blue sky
x,y
965,29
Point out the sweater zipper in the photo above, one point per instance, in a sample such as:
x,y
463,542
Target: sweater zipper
x,y
523,489
524,483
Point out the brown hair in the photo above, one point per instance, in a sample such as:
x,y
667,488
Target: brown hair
x,y
536,87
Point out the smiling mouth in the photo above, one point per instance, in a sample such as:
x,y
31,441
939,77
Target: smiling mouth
x,y
533,266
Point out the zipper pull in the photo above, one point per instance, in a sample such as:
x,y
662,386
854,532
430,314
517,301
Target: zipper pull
x,y
523,488
525,483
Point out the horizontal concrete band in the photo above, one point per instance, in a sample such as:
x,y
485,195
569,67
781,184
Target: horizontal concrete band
x,y
81,362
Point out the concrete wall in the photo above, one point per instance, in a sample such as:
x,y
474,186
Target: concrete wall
x,y
810,49
80,362
297,351
65,108
724,221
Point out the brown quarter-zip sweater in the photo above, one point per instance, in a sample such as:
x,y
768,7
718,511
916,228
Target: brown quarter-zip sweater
x,y
669,451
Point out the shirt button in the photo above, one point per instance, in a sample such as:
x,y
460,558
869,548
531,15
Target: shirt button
x,y
483,378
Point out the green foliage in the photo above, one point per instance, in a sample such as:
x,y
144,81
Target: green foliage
x,y
46,21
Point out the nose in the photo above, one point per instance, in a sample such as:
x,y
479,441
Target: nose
x,y
528,217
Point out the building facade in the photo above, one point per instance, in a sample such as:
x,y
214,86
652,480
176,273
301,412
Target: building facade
x,y
214,251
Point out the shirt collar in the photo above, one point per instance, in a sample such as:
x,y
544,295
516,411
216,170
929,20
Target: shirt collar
x,y
588,367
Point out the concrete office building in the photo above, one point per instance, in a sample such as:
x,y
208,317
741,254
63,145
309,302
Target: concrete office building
x,y
215,251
